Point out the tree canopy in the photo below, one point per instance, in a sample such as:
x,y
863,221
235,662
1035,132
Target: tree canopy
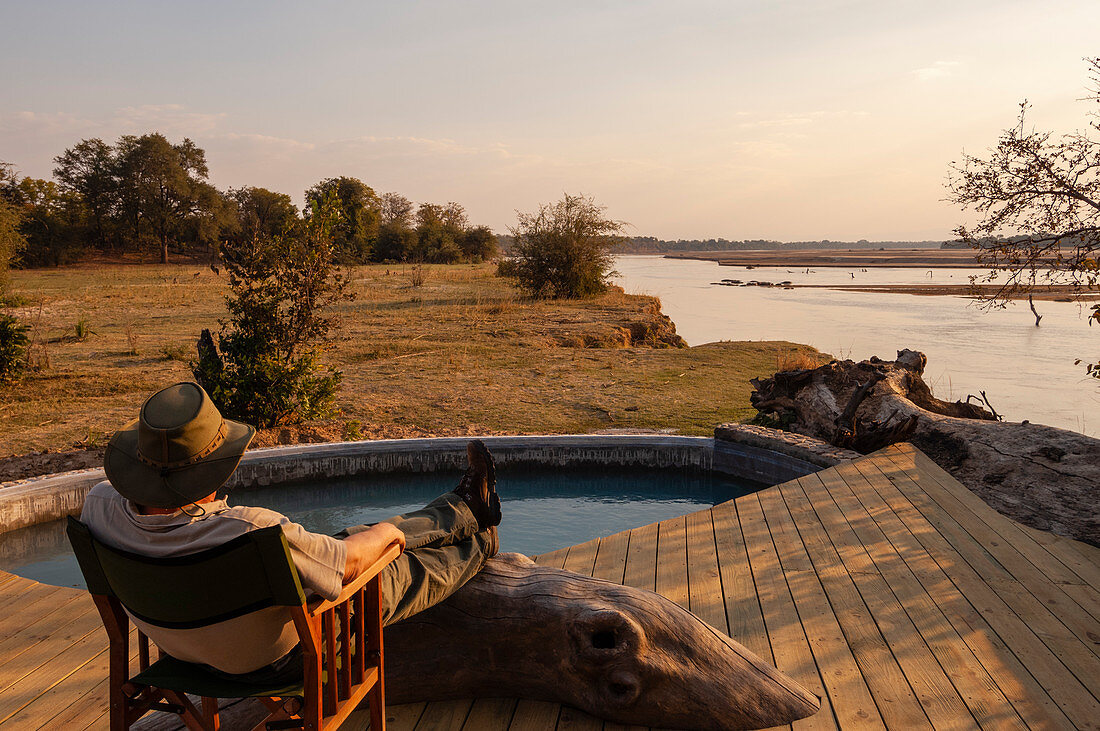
x,y
1037,199
146,194
563,248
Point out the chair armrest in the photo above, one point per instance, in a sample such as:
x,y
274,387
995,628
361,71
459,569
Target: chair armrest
x,y
317,606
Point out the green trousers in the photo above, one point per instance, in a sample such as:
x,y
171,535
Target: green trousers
x,y
443,550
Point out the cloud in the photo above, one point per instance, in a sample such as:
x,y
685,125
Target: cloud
x,y
938,70
170,119
24,122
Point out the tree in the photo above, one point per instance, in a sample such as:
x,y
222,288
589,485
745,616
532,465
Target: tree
x,y
88,170
562,249
12,239
162,189
263,212
1037,196
358,206
53,222
396,208
265,367
478,243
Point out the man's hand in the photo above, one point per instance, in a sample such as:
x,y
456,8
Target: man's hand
x,y
365,547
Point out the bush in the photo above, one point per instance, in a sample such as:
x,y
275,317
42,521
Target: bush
x,y
508,268
12,239
562,249
13,348
265,367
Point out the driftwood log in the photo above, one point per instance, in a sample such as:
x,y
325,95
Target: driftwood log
x,y
526,631
1041,476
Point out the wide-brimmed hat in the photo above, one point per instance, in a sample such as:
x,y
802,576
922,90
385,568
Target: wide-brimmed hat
x,y
178,450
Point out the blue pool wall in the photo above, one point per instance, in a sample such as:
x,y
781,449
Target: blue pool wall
x,y
753,453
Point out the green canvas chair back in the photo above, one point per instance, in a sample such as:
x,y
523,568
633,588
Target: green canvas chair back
x,y
251,572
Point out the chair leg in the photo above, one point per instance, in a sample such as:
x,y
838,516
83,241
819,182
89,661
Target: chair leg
x,y
312,711
190,716
376,656
210,713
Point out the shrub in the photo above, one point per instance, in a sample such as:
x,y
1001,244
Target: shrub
x,y
82,330
562,249
13,348
265,366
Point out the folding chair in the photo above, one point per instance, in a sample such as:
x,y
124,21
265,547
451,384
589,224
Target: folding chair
x,y
341,640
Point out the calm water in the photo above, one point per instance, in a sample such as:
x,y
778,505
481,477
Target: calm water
x,y
543,509
1026,371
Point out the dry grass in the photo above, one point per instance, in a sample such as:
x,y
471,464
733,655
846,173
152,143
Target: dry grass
x,y
449,350
799,359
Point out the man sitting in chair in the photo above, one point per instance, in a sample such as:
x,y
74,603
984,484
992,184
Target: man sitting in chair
x,y
165,470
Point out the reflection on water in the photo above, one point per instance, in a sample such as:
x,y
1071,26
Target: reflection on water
x,y
544,509
1028,372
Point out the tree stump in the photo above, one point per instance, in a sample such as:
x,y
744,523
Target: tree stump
x,y
1041,476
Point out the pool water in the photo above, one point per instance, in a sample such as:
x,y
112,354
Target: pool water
x,y
544,508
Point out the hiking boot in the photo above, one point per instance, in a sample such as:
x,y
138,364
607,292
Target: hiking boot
x,y
478,487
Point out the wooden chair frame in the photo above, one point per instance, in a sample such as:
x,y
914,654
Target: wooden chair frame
x,y
327,630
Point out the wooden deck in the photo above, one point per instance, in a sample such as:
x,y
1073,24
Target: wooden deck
x,y
883,585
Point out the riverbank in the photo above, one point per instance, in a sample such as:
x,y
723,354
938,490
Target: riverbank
x,y
462,353
1044,293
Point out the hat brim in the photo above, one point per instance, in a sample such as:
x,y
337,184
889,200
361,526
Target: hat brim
x,y
144,484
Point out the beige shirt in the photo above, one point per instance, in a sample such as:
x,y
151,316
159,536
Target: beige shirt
x,y
237,645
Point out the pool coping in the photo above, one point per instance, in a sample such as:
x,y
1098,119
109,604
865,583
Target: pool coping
x,y
755,453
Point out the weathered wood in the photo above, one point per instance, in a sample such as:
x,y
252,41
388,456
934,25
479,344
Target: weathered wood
x,y
523,630
1039,475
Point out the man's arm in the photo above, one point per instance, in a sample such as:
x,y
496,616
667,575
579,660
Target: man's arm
x,y
365,547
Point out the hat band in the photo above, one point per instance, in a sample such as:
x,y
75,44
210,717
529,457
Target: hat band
x,y
218,440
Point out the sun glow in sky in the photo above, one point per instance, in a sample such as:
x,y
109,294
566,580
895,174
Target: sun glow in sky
x,y
789,120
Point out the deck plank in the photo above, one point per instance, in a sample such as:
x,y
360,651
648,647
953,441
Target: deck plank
x,y
896,702
444,715
901,554
966,563
672,566
934,690
490,714
1029,699
705,599
1059,615
1060,621
788,638
641,558
744,615
41,620
611,557
848,693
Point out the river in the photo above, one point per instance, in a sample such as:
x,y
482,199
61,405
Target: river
x,y
1027,372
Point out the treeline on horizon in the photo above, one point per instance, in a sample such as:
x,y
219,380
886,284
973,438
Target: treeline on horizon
x,y
145,196
652,245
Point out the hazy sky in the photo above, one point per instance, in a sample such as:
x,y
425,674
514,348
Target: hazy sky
x,y
738,119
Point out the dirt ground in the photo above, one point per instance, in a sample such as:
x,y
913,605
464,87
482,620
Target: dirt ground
x,y
461,354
